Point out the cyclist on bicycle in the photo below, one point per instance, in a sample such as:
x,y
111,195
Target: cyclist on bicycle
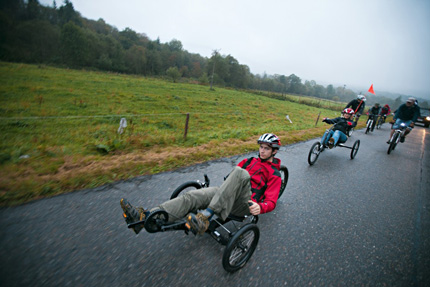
x,y
407,113
340,129
357,105
373,113
251,188
385,111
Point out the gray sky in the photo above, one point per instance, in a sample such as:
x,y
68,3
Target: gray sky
x,y
353,42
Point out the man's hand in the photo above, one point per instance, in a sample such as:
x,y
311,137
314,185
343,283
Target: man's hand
x,y
254,208
324,120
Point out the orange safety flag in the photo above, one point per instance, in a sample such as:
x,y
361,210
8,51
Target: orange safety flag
x,y
371,90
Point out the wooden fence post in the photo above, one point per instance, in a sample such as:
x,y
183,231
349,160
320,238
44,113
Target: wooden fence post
x,y
317,119
186,126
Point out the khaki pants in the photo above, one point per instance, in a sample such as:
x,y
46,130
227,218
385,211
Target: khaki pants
x,y
231,197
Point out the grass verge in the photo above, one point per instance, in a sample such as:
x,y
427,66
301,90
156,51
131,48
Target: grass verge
x,y
59,127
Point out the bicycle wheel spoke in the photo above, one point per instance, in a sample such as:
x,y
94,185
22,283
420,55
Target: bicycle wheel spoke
x,y
241,248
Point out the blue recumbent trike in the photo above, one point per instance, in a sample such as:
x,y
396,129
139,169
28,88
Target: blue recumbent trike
x,y
318,147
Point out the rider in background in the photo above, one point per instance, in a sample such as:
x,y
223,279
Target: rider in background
x,y
373,112
385,111
340,129
357,105
251,188
407,113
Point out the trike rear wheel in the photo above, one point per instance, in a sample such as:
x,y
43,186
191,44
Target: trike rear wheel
x,y
355,148
240,247
284,177
314,153
189,185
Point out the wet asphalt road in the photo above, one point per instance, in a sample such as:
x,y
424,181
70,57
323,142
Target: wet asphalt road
x,y
341,222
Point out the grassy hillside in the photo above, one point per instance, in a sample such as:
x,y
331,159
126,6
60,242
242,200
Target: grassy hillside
x,y
59,127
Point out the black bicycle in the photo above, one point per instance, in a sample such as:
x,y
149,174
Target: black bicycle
x,y
380,122
371,123
240,234
318,147
397,135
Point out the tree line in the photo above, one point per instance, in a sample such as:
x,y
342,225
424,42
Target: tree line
x,y
59,35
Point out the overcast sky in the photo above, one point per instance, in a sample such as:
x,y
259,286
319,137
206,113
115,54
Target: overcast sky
x,y
341,42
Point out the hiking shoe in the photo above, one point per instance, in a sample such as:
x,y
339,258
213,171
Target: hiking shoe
x,y
331,143
132,215
197,223
388,141
402,139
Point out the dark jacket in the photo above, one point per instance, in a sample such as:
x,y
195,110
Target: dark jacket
x,y
407,114
356,106
374,111
341,124
265,182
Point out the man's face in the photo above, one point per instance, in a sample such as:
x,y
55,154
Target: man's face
x,y
409,104
265,151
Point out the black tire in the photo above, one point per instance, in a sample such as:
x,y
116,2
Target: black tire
x,y
355,148
240,247
185,186
284,177
393,143
314,152
155,220
380,122
369,124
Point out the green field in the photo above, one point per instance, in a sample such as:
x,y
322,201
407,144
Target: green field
x,y
59,127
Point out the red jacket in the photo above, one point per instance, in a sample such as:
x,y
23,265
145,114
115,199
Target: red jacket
x,y
265,182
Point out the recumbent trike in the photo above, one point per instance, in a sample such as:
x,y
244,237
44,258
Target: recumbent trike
x,y
318,147
240,236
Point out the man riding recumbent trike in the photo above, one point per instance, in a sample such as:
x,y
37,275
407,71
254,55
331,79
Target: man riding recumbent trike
x,y
335,136
229,212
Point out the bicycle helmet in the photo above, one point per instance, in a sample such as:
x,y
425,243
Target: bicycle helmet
x,y
348,111
361,98
270,139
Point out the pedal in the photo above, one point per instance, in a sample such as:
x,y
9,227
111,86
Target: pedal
x,y
188,229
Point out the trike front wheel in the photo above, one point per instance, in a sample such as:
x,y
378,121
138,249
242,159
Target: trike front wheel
x,y
155,220
240,247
